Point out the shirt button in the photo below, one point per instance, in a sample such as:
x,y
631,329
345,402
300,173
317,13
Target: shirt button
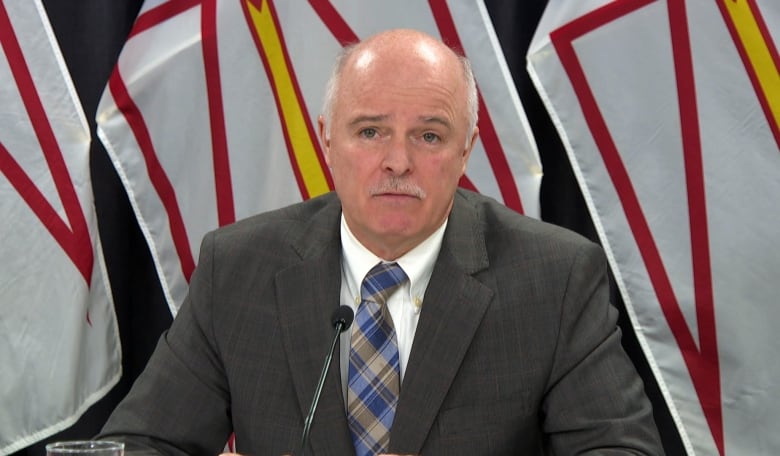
x,y
417,303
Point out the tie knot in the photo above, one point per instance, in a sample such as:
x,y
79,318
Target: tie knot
x,y
381,281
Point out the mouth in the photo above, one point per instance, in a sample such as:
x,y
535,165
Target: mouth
x,y
394,196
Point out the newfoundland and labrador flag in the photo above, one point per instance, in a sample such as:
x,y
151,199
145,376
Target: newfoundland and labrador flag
x,y
670,111
210,114
59,343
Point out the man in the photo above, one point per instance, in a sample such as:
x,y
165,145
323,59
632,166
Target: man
x,y
497,337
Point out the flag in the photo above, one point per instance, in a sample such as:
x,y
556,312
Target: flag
x,y
670,113
210,113
59,344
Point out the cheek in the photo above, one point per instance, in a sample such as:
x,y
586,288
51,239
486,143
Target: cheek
x,y
339,164
349,173
448,171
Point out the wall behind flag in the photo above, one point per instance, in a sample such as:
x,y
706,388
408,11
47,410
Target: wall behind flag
x,y
91,34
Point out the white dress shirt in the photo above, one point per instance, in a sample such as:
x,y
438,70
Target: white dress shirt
x,y
404,305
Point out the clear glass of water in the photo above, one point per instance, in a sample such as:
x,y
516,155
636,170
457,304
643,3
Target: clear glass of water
x,y
86,448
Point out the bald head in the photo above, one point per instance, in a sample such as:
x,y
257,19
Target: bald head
x,y
404,53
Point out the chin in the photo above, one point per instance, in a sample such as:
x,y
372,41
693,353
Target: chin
x,y
392,230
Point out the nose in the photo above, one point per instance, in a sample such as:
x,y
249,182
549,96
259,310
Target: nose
x,y
398,157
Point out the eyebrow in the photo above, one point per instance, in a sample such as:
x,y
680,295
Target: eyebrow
x,y
380,117
368,119
437,120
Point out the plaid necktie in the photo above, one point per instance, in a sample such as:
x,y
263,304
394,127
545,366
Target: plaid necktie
x,y
374,374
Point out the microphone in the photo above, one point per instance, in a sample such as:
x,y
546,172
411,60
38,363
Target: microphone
x,y
341,319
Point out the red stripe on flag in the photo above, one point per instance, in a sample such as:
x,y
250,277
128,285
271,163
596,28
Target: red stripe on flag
x,y
75,241
702,366
335,23
78,250
708,363
487,132
157,176
161,13
222,178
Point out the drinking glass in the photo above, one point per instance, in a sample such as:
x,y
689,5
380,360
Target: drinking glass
x,y
86,448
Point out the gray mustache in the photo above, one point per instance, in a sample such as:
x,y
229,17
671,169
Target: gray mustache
x,y
397,185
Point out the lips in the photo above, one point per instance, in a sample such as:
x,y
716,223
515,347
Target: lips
x,y
396,196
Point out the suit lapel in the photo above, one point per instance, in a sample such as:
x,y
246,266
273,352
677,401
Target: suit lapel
x,y
308,292
454,305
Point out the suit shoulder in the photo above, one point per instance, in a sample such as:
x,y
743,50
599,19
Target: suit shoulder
x,y
281,218
314,217
504,226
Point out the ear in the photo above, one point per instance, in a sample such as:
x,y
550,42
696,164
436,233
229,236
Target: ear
x,y
469,147
324,138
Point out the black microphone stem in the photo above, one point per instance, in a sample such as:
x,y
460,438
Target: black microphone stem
x,y
340,325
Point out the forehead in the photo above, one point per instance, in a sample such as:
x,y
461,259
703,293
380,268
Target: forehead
x,y
421,77
402,56
422,53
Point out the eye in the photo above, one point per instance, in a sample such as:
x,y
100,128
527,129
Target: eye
x,y
368,133
430,137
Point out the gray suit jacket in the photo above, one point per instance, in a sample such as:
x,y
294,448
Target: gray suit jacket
x,y
516,351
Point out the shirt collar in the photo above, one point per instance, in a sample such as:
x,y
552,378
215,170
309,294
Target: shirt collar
x,y
417,263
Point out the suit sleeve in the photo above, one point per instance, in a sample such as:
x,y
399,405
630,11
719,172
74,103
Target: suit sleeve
x,y
596,402
180,403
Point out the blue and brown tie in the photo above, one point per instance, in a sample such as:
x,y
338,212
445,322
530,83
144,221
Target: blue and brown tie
x,y
374,374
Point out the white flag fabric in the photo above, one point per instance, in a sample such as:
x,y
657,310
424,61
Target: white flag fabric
x,y
670,111
211,111
59,343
